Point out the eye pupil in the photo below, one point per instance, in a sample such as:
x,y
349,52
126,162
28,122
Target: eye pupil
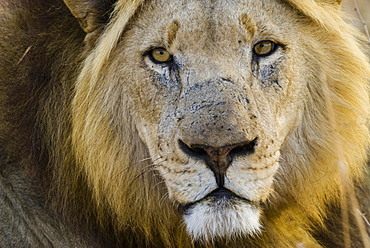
x,y
160,55
264,48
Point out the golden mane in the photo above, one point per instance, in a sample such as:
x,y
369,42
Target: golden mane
x,y
136,192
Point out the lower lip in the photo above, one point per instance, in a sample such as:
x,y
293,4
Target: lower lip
x,y
215,196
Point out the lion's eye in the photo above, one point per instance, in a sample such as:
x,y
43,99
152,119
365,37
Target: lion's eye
x,y
160,55
264,48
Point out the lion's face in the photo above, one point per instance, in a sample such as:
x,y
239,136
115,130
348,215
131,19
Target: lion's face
x,y
214,95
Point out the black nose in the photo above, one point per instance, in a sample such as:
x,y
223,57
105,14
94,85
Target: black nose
x,y
218,159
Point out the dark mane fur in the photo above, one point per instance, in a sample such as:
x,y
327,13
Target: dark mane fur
x,y
36,83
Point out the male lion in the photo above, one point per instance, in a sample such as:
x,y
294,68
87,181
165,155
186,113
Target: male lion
x,y
190,123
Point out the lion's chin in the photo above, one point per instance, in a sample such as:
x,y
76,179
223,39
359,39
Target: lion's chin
x,y
226,218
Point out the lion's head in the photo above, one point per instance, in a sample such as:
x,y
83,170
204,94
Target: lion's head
x,y
230,117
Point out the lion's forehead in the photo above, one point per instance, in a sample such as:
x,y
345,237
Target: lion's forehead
x,y
221,12
219,22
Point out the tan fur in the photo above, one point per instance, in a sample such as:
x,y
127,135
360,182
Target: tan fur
x,y
109,120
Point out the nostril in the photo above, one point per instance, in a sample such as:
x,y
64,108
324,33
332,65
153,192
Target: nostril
x,y
218,159
202,151
193,150
243,149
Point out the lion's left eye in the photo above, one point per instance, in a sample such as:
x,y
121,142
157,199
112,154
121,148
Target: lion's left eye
x,y
160,55
264,48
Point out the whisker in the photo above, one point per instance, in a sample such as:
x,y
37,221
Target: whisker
x,y
145,159
154,163
147,168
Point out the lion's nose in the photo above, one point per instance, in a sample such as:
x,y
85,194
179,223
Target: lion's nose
x,y
218,159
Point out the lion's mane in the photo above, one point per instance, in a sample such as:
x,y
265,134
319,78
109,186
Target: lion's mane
x,y
61,138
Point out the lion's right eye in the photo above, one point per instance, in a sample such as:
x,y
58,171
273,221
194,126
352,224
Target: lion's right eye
x,y
160,55
264,48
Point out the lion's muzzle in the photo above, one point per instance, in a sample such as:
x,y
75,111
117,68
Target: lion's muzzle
x,y
218,159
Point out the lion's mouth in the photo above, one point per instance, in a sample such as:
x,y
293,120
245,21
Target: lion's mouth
x,y
220,194
221,214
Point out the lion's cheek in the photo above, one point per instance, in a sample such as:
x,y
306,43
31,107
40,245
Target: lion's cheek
x,y
253,181
186,184
253,185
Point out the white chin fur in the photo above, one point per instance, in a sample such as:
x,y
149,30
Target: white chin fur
x,y
224,218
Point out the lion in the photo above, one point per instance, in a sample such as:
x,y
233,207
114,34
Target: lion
x,y
194,123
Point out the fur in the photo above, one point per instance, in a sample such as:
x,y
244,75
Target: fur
x,y
89,135
201,219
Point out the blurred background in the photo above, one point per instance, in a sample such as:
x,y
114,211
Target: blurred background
x,y
349,6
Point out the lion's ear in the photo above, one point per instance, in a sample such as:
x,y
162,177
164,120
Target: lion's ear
x,y
92,14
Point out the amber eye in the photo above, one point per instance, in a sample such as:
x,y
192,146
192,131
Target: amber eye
x,y
160,55
264,48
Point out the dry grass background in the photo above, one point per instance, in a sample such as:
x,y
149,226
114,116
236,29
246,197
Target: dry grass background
x,y
359,13
363,9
